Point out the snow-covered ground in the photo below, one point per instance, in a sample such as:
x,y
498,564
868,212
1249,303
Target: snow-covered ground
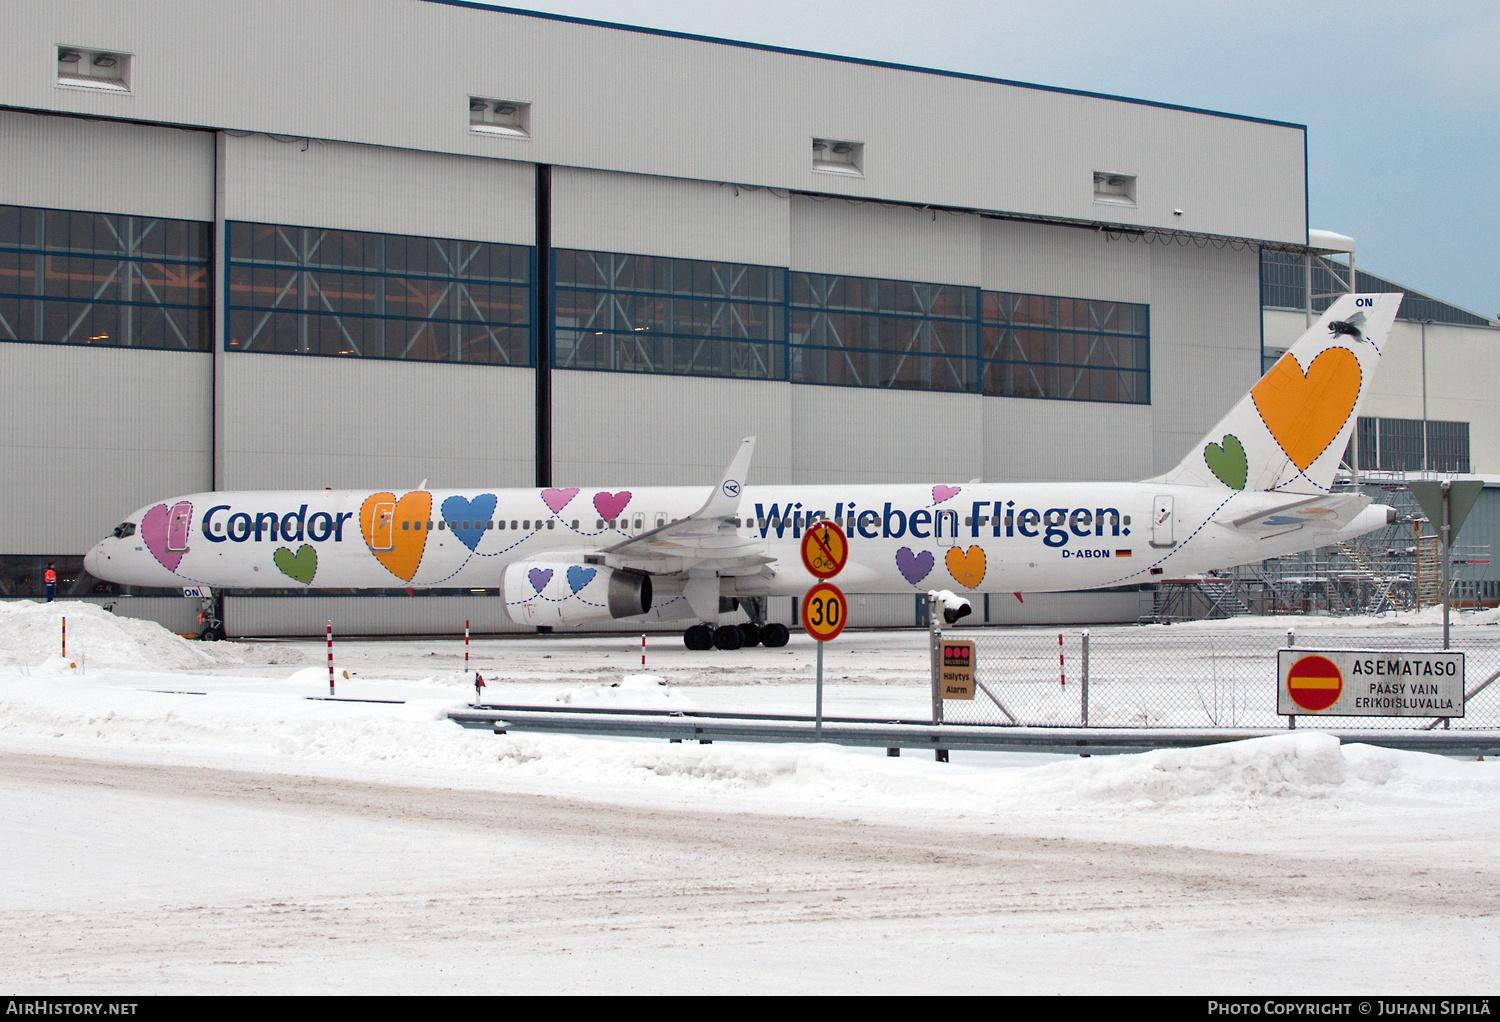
x,y
180,816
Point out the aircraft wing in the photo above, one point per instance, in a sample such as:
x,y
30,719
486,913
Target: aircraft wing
x,y
709,538
1329,511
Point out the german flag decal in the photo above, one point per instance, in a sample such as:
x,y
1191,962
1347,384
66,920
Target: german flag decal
x,y
1122,553
1314,683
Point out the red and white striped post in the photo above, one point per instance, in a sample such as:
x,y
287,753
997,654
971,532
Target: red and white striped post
x,y
65,637
466,645
330,658
643,649
1062,674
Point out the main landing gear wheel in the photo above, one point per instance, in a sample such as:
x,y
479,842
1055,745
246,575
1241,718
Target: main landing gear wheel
x,y
698,637
751,633
774,635
213,633
728,637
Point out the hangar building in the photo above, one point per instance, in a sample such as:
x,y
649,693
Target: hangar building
x,y
371,242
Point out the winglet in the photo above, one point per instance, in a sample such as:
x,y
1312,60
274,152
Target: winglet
x,y
725,500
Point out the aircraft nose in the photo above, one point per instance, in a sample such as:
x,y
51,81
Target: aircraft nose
x,y
91,560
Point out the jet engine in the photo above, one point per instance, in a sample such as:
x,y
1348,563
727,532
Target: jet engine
x,y
566,592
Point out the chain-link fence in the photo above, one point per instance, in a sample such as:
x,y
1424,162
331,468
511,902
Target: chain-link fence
x,y
1178,677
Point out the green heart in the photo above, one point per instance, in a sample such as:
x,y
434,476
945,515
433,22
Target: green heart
x,y
301,566
1228,462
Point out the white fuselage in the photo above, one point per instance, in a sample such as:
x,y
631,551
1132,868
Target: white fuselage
x,y
990,537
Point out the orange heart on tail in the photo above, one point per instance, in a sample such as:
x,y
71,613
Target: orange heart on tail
x,y
1305,412
380,519
966,566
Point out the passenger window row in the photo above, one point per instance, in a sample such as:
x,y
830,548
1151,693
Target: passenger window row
x,y
442,525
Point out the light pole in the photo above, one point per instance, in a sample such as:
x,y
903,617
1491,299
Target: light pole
x,y
1426,467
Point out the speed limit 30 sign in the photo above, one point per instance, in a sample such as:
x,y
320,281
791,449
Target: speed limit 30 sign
x,y
825,609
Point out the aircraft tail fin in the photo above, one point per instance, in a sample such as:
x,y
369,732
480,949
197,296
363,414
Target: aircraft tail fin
x,y
1289,433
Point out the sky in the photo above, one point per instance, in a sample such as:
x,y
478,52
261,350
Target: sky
x,y
1401,100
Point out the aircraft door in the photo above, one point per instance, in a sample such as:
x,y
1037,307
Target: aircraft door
x,y
638,523
945,527
178,527
661,519
1162,525
383,527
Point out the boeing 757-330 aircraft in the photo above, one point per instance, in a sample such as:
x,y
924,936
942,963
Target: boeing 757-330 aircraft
x,y
1257,486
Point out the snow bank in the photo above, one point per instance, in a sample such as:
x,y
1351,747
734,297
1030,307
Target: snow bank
x,y
1304,765
31,633
1428,617
633,691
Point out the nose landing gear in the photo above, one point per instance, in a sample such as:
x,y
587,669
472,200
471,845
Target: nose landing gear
x,y
210,619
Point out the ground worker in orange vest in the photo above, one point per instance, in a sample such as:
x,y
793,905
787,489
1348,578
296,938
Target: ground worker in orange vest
x,y
50,577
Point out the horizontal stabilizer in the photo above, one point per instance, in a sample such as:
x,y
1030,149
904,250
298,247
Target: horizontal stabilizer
x,y
1330,512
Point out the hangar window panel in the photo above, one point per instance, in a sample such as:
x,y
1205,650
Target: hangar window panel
x,y
868,332
355,294
1066,349
104,279
652,314
1396,445
1448,446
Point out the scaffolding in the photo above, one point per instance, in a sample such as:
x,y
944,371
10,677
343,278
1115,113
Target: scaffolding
x,y
1397,567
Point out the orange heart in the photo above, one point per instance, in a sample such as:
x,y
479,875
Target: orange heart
x,y
1305,412
380,519
967,567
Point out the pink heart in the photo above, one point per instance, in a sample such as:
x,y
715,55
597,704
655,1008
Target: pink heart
x,y
558,499
609,505
942,493
165,532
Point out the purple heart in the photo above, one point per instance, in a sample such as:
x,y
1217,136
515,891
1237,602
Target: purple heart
x,y
609,505
942,493
165,532
539,578
914,567
558,499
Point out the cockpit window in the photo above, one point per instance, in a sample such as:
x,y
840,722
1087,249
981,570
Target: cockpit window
x,y
124,530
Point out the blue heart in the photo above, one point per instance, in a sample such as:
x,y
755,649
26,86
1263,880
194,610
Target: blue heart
x,y
580,577
477,512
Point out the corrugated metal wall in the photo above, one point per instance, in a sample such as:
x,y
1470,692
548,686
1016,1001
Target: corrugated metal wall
x,y
298,421
1071,263
1462,379
104,167
663,216
869,240
1205,340
853,434
399,73
1060,440
643,430
88,435
368,188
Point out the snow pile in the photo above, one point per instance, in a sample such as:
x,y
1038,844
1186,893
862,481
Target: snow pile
x,y
1305,765
1398,621
631,692
31,633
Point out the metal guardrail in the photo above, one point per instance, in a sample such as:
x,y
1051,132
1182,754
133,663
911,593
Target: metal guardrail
x,y
680,726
